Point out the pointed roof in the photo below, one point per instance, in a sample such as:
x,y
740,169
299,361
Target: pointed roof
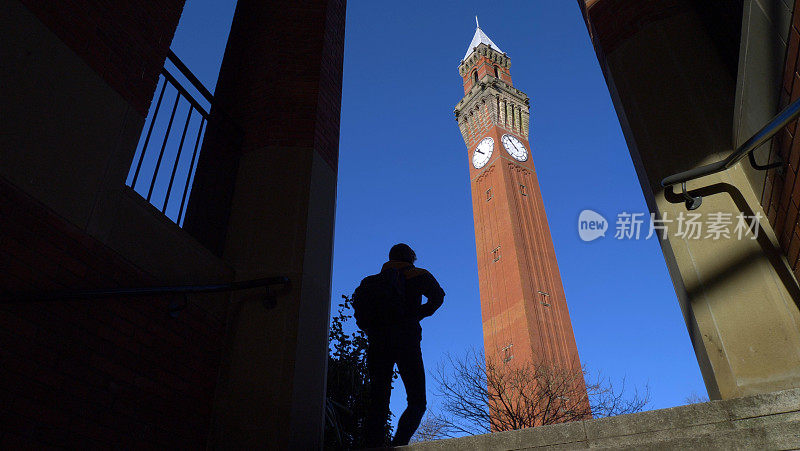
x,y
480,38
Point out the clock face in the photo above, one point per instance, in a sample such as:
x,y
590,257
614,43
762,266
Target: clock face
x,y
515,147
483,152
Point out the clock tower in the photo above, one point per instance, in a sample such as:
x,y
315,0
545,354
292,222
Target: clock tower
x,y
524,311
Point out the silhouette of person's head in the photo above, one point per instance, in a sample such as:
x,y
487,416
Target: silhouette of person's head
x,y
402,252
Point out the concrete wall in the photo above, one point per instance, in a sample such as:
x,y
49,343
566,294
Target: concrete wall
x,y
766,421
675,95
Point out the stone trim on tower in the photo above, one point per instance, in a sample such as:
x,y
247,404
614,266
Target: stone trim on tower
x,y
491,103
483,51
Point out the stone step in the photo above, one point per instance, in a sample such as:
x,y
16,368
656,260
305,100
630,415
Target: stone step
x,y
764,421
780,435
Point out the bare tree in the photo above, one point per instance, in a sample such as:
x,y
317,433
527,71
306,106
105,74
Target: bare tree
x,y
694,398
482,395
431,428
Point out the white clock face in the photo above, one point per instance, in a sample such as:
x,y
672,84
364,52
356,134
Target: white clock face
x,y
483,152
515,147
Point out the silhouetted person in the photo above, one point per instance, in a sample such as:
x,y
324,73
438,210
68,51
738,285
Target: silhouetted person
x,y
396,340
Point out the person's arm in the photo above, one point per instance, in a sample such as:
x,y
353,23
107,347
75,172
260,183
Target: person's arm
x,y
434,295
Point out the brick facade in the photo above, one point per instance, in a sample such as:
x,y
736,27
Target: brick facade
x,y
485,61
290,43
329,105
781,195
124,41
615,21
95,373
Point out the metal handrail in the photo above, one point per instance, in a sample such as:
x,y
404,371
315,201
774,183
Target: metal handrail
x,y
181,79
782,119
190,76
265,282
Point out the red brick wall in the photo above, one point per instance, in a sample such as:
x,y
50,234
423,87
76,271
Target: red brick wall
x,y
614,21
124,41
485,66
781,196
100,373
329,103
269,82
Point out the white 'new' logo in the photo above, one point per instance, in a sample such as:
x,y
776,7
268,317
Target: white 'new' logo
x,y
591,225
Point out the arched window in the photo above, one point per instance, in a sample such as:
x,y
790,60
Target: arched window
x,y
475,76
496,72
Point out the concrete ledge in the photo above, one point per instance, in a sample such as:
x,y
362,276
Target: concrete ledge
x,y
766,421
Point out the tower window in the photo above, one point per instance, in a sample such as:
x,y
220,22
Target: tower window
x,y
508,353
545,296
522,190
475,76
512,117
496,254
488,195
496,72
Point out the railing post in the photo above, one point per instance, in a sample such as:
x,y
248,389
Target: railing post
x,y
226,129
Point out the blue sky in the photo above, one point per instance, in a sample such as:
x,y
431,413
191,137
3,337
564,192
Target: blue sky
x,y
403,175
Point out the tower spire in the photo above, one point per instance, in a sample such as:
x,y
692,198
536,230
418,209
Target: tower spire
x,y
480,38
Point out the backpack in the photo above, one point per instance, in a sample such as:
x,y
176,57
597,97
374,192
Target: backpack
x,y
380,301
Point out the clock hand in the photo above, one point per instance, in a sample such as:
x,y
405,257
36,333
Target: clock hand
x,y
478,151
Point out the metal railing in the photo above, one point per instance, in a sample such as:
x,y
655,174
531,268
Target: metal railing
x,y
766,133
146,176
66,295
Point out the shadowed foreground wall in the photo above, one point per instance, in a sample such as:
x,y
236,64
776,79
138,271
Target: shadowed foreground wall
x,y
99,373
118,372
77,78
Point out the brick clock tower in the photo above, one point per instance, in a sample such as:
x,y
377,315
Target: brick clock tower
x,y
524,312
